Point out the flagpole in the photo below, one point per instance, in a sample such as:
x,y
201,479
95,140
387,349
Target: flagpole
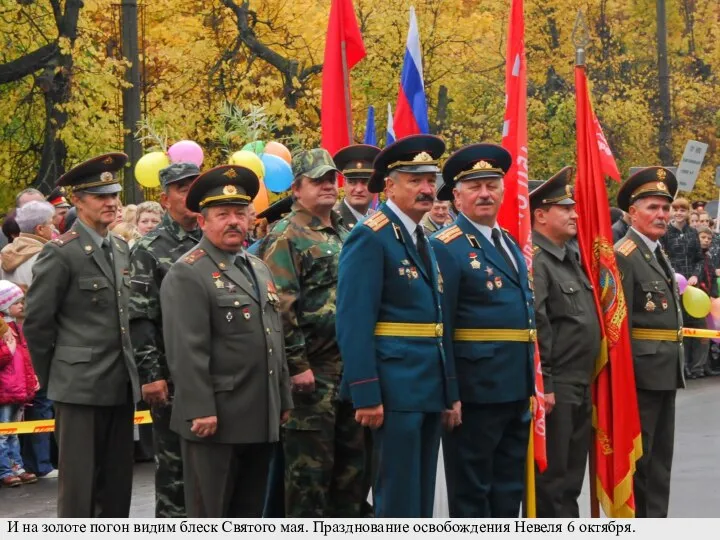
x,y
581,39
346,86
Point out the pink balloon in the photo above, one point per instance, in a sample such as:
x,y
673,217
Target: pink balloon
x,y
186,152
682,282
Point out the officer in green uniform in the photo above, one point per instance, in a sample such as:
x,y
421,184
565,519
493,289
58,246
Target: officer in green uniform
x,y
77,333
355,162
569,342
323,444
224,346
655,321
150,261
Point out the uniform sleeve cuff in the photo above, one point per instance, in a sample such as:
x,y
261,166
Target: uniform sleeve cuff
x,y
366,393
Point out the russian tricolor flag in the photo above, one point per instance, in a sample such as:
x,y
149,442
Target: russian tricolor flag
x,y
411,115
390,133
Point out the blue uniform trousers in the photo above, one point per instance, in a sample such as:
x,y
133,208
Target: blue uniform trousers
x,y
485,460
405,452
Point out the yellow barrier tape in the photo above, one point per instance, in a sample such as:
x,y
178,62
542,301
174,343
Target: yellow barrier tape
x,y
48,426
700,333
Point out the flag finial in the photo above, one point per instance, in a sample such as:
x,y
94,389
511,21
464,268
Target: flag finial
x,y
580,38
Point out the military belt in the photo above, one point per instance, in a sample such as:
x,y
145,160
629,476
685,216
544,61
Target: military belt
x,y
657,334
395,329
495,334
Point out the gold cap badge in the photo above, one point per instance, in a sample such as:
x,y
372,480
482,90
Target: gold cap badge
x,y
106,177
482,164
108,161
230,173
661,174
230,190
423,157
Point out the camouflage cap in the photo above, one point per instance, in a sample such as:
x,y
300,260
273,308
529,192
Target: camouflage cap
x,y
313,163
178,171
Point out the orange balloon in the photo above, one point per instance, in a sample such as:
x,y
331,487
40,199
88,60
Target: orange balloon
x,y
280,150
715,308
261,201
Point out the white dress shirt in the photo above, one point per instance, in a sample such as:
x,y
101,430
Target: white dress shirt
x,y
407,221
652,244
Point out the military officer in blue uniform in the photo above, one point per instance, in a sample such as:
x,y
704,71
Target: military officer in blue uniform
x,y
389,329
489,335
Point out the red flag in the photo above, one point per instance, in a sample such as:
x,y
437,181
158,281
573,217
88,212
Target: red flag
x,y
343,34
607,161
618,443
515,210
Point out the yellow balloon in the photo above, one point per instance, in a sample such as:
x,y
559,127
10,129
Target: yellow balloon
x,y
697,302
250,160
147,169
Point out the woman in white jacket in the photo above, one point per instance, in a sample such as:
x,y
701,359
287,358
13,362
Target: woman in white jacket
x,y
36,228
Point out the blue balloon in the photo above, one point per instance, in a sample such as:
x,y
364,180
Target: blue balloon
x,y
278,174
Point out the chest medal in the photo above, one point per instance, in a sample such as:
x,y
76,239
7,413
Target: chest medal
x,y
649,305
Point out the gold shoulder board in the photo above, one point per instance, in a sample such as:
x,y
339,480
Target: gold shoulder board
x,y
449,234
627,247
377,221
66,238
193,257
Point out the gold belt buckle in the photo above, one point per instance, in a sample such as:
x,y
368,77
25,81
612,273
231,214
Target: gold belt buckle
x,y
439,330
680,335
533,335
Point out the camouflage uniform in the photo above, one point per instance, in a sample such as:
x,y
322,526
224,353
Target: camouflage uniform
x,y
323,444
150,261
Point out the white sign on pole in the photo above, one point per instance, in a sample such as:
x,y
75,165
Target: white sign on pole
x,y
689,166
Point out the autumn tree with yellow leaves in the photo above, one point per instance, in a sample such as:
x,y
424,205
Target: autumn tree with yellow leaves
x,y
62,74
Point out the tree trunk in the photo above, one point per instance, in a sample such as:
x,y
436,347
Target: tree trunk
x,y
442,106
665,131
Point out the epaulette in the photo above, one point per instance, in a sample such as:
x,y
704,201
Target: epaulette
x,y
627,247
193,257
448,235
66,238
536,249
118,237
377,221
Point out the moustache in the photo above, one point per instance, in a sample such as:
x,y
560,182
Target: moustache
x,y
484,202
424,198
233,229
660,223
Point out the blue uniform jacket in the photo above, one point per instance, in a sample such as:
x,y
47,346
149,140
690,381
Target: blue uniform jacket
x,y
482,292
381,279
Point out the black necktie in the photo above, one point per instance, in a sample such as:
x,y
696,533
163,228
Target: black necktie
x,y
243,264
107,251
422,248
501,250
663,262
